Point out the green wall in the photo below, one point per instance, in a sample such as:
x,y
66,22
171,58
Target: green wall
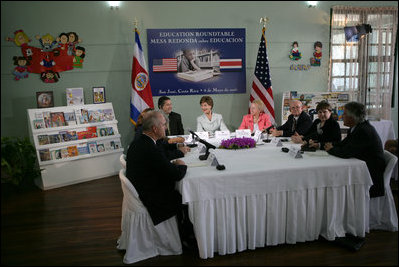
x,y
108,37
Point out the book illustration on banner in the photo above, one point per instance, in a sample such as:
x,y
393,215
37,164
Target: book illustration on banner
x,y
74,96
57,119
196,76
45,99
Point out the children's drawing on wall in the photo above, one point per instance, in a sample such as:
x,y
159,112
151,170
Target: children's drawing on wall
x,y
22,69
50,57
316,59
295,54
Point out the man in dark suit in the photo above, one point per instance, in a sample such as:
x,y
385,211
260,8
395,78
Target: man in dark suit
x,y
362,142
298,121
152,174
175,126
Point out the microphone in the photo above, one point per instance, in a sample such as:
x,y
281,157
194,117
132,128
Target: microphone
x,y
270,127
267,130
207,145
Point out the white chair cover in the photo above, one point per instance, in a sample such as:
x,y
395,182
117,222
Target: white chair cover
x,y
122,159
383,215
139,237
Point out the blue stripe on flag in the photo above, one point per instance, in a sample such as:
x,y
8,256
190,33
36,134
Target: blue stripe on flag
x,y
134,113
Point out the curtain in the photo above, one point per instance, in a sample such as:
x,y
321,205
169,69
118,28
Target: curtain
x,y
365,68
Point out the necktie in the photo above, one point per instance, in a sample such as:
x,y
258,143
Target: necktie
x,y
294,126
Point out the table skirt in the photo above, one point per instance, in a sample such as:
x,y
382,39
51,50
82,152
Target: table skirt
x,y
233,224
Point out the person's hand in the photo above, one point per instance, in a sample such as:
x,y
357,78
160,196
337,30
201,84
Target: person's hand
x,y
314,144
178,162
275,132
327,146
296,139
184,149
175,140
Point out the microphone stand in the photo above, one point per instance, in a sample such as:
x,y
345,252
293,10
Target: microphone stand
x,y
208,146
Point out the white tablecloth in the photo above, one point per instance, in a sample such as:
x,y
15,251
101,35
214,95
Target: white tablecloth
x,y
266,197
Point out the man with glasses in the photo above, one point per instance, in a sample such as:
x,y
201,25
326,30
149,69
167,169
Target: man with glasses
x,y
298,122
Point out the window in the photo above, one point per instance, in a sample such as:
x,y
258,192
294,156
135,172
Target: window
x,y
364,68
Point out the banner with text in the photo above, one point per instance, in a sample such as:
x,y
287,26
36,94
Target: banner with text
x,y
196,61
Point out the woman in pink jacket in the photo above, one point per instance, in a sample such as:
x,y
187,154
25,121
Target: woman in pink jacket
x,y
256,119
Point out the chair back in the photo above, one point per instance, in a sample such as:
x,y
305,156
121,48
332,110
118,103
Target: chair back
x,y
122,159
390,162
130,195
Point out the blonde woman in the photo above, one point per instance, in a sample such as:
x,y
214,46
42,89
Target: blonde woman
x,y
256,119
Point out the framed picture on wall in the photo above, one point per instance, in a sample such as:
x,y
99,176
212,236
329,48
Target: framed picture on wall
x,y
74,96
45,99
98,95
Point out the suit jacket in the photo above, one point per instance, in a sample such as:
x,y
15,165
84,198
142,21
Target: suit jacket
x,y
248,122
365,144
303,124
216,124
175,124
331,132
170,150
154,178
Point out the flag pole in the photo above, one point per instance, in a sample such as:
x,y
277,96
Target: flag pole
x,y
264,20
135,22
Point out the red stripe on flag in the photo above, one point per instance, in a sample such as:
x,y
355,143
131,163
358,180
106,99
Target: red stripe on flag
x,y
263,98
230,63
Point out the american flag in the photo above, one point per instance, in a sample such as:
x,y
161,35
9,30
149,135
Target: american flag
x,y
164,64
261,84
233,63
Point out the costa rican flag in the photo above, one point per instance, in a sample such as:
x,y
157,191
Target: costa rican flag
x,y
141,95
262,84
164,64
230,64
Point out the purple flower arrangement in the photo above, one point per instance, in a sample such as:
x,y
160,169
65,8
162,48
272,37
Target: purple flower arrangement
x,y
238,143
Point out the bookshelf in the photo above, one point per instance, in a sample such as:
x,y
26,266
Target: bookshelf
x,y
75,143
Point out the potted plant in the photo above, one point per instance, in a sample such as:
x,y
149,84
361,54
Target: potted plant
x,y
19,165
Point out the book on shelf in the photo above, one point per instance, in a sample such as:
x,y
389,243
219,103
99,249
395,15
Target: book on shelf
x,y
56,153
84,116
83,149
74,96
57,119
44,154
54,138
72,151
96,116
107,146
38,124
64,136
92,130
70,118
47,119
92,147
100,147
64,152
43,139
108,114
116,144
72,135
